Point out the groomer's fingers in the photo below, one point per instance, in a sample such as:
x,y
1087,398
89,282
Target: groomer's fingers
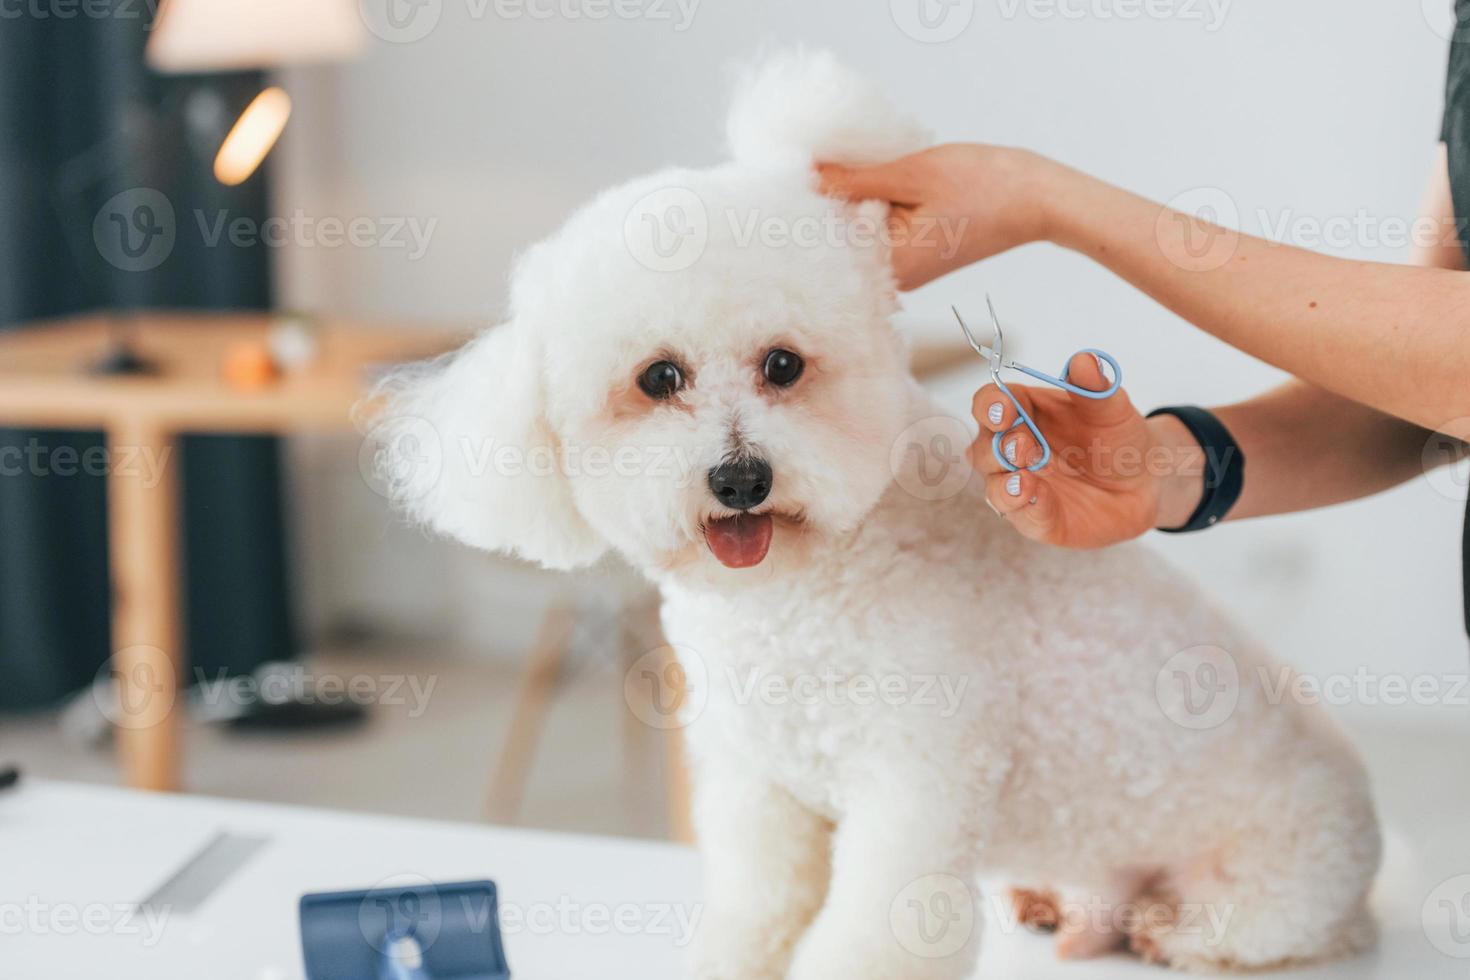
x,y
1086,371
908,268
1026,501
994,411
1010,492
895,182
1019,447
1037,518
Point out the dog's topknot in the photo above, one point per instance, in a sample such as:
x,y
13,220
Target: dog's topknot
x,y
797,106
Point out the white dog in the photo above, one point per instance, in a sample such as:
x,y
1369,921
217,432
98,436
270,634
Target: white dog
x,y
699,371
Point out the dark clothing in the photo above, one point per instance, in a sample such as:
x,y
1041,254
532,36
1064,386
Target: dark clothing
x,y
85,129
1455,132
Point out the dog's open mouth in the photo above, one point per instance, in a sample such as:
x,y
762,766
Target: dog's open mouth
x,y
740,541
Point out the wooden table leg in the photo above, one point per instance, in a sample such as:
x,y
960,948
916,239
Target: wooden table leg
x,y
142,530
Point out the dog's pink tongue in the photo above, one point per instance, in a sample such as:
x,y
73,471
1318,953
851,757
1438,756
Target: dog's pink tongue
x,y
740,541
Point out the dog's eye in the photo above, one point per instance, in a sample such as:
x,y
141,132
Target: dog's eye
x,y
661,379
783,367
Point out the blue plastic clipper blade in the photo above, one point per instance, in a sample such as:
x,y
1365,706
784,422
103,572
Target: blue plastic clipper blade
x,y
412,932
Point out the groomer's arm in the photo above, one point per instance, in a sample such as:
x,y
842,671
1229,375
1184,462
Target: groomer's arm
x,y
1306,446
1389,336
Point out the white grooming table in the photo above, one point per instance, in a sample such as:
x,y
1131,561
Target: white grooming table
x,y
75,859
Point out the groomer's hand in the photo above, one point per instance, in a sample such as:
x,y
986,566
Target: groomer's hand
x,y
954,204
1113,474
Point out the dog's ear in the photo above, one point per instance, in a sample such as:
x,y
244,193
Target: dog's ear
x,y
463,447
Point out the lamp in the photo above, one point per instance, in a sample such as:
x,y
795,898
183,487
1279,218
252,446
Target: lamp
x,y
192,36
252,136
203,36
231,35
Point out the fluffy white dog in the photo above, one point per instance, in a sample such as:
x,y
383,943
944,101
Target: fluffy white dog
x,y
900,693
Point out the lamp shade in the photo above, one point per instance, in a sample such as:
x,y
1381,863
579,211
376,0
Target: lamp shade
x,y
230,35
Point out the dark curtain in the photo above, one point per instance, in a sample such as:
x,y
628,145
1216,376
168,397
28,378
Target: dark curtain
x,y
90,140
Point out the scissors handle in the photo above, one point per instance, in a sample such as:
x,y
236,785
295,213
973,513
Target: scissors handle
x,y
1063,383
1024,419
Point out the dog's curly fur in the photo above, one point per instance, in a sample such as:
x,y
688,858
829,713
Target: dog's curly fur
x,y
904,694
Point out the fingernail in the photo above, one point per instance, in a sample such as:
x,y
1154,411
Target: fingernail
x,y
995,413
1098,361
1013,485
1010,451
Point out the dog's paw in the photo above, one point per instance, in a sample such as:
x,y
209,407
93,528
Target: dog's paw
x,y
1089,944
1160,942
1037,909
1042,910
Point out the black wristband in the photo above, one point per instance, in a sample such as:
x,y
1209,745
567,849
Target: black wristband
x,y
1224,466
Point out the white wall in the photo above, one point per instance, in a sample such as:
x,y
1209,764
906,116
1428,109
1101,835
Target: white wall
x,y
496,125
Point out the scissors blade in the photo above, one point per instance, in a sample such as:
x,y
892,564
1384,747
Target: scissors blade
x,y
1000,338
978,347
993,355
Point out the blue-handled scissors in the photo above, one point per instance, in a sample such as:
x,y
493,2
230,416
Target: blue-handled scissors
x,y
995,355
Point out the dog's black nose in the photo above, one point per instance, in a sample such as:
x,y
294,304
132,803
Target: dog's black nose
x,y
741,483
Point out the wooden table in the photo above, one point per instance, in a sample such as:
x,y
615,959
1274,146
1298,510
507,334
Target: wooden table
x,y
44,383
